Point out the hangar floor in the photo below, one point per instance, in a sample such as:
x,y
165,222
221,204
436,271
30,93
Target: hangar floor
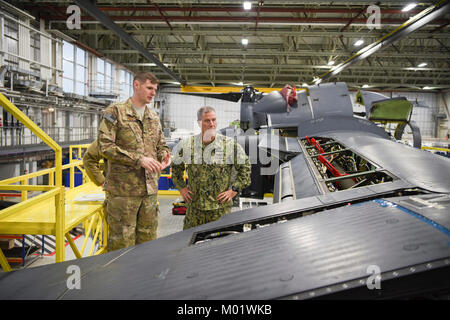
x,y
167,224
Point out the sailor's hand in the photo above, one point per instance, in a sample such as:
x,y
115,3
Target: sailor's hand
x,y
151,164
226,196
185,194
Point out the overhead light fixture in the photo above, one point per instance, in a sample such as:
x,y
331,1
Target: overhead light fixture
x,y
331,62
247,5
304,85
409,6
359,42
51,109
244,41
426,88
365,86
423,64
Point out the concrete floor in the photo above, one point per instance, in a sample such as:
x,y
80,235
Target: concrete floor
x,y
167,224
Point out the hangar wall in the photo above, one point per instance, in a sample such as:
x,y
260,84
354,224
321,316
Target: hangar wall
x,y
180,110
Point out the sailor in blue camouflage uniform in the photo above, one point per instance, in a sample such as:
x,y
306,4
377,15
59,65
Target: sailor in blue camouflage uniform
x,y
209,159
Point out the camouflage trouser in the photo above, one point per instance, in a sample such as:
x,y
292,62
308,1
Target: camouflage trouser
x,y
131,220
195,217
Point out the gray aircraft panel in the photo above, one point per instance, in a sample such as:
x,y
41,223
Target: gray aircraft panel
x,y
297,256
419,167
279,260
331,99
432,207
324,125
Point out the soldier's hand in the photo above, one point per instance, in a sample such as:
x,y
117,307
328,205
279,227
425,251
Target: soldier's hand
x,y
185,194
226,196
166,161
151,164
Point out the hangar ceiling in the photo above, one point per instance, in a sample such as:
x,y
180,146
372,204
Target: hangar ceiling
x,y
295,42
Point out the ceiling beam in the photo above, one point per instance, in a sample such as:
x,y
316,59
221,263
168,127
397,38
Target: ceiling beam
x,y
255,54
260,32
234,19
107,22
418,21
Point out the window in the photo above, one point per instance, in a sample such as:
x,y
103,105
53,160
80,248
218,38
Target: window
x,y
11,42
105,77
74,69
126,85
100,85
80,71
35,43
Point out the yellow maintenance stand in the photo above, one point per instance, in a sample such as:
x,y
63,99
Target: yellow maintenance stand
x,y
54,211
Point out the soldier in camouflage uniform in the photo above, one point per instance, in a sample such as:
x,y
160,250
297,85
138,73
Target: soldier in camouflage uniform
x,y
91,163
131,139
209,159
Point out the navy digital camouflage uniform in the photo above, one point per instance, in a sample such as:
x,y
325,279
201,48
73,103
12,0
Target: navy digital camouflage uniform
x,y
209,170
131,191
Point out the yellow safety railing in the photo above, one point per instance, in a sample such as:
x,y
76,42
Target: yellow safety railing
x,y
54,190
96,221
59,189
79,148
51,172
435,148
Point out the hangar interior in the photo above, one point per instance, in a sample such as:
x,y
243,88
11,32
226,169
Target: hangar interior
x,y
63,62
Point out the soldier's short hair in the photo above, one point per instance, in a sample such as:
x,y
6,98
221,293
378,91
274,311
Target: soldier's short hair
x,y
143,76
203,110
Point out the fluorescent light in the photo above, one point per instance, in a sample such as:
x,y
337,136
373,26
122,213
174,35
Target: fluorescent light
x,y
365,86
359,42
423,64
330,63
409,6
244,41
247,5
426,88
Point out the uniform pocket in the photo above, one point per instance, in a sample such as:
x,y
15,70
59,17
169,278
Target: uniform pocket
x,y
129,135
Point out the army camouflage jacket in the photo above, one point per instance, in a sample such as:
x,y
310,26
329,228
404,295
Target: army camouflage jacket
x,y
91,162
209,169
124,140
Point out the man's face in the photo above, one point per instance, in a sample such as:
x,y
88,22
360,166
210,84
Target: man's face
x,y
209,125
145,91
